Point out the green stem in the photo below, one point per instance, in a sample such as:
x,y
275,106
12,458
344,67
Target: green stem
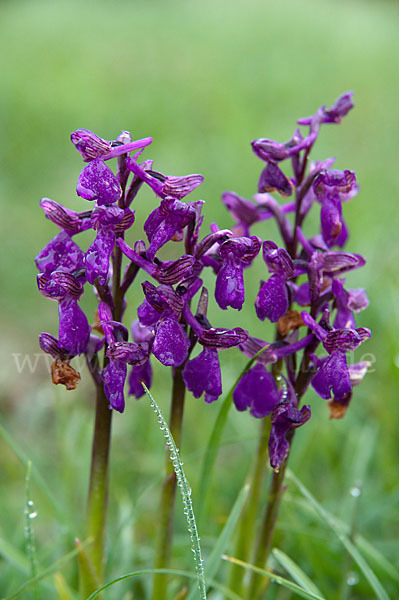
x,y
168,495
265,538
246,532
98,487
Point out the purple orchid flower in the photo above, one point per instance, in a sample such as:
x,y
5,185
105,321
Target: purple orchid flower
x,y
167,222
333,375
332,188
74,330
236,254
202,373
285,418
272,298
162,309
107,221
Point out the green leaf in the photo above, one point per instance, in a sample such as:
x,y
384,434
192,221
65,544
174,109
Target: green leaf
x,y
276,579
185,491
328,518
36,476
49,571
228,594
224,537
296,572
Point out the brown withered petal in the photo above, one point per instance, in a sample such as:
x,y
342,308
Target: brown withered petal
x,y
338,408
62,372
97,323
291,320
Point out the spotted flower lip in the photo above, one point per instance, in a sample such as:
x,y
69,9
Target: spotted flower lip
x,y
285,418
91,146
161,309
98,182
60,254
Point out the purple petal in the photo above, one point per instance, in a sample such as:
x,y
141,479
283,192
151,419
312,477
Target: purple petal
x,y
74,330
217,337
331,220
114,376
272,179
66,219
272,299
258,391
171,343
229,289
62,254
278,260
333,375
202,374
98,255
97,182
284,419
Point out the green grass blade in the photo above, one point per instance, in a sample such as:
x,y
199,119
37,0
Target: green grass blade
x,y
228,594
30,543
297,574
49,571
328,518
214,440
36,476
185,491
377,558
13,556
276,579
224,537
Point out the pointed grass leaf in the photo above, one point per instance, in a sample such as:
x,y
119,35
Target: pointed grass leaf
x,y
185,491
275,578
227,594
297,574
224,537
334,524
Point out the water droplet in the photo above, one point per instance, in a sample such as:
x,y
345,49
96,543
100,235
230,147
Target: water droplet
x,y
32,515
352,579
355,491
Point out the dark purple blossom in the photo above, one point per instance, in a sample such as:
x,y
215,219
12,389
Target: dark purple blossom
x,y
258,391
236,254
272,299
105,220
74,330
285,418
97,182
167,222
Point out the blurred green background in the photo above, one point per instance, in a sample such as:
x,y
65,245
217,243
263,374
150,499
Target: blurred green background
x,y
203,79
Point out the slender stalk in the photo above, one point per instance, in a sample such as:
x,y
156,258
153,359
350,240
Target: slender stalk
x,y
98,487
246,532
168,495
265,538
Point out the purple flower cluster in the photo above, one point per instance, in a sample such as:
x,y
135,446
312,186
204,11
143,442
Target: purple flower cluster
x,y
166,327
304,272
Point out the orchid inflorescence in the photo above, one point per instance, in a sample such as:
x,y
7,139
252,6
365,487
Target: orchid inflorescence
x,y
306,273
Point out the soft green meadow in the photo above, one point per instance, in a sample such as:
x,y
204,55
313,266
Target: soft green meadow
x,y
203,79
